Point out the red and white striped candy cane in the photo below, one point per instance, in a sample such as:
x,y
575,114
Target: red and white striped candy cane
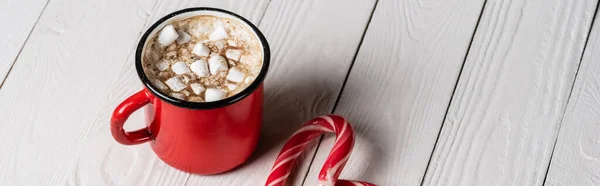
x,y
337,157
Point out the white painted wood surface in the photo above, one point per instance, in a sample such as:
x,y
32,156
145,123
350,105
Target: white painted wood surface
x,y
74,67
576,159
105,162
400,86
312,49
17,19
58,83
503,119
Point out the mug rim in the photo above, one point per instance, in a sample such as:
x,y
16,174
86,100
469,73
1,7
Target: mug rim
x,y
203,105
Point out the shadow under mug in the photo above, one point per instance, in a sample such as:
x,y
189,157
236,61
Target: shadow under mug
x,y
200,138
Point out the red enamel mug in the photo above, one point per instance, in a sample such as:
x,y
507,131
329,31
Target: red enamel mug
x,y
200,138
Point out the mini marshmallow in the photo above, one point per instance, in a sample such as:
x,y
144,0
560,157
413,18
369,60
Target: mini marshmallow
x,y
233,54
231,86
250,60
167,35
199,29
183,37
248,79
200,67
185,92
162,65
197,88
232,43
201,50
235,75
175,84
178,95
218,34
159,84
213,94
180,68
219,44
254,69
231,63
217,63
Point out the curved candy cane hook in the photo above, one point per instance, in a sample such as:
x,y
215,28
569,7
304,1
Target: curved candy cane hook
x,y
335,161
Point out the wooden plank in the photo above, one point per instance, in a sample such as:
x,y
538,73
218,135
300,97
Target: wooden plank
x,y
138,165
56,103
15,31
313,43
576,159
399,88
512,92
63,72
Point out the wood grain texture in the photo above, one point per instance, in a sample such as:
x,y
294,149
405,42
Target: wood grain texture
x,y
56,86
576,159
512,92
400,86
104,162
18,18
56,103
312,44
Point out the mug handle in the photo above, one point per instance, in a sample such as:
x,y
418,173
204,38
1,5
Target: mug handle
x,y
120,115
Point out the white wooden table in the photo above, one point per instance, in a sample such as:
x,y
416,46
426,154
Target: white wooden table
x,y
447,92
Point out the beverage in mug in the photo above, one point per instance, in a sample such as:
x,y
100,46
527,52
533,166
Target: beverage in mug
x,y
202,58
203,71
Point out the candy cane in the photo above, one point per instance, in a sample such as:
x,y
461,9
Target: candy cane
x,y
337,157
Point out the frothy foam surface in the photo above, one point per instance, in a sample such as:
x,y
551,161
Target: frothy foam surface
x,y
202,58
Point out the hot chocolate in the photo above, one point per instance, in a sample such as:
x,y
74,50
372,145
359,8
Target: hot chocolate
x,y
202,58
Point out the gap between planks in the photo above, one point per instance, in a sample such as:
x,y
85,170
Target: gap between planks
x,y
143,18
192,179
337,100
23,45
453,91
264,13
585,45
538,171
258,25
149,21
